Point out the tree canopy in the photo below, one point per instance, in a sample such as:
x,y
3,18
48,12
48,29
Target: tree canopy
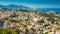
x,y
7,31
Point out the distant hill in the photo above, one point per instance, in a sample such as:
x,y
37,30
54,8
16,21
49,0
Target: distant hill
x,y
13,6
2,6
49,9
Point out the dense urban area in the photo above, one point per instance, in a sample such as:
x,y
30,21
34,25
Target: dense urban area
x,y
29,22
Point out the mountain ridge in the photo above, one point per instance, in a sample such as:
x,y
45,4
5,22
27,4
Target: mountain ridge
x,y
13,6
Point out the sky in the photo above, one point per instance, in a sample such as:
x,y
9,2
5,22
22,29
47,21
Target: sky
x,y
34,3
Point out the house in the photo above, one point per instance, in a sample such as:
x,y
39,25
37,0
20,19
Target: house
x,y
3,15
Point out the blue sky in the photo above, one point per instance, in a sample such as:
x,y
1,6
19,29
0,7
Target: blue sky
x,y
34,3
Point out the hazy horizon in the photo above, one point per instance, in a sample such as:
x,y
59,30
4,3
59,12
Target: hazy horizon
x,y
33,3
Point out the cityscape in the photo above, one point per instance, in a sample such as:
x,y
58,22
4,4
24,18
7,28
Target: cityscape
x,y
29,17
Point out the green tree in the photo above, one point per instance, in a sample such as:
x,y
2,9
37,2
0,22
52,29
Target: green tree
x,y
3,32
14,21
7,31
40,21
14,14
